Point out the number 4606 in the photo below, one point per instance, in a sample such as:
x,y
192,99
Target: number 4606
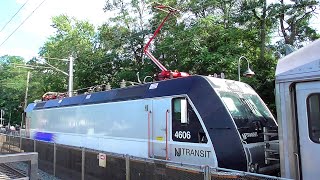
x,y
182,134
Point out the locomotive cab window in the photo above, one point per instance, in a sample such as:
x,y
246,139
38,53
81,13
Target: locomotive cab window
x,y
313,106
186,126
180,110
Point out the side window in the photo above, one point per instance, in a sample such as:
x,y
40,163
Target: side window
x,y
313,108
186,126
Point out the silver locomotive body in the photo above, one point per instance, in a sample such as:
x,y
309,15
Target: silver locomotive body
x,y
195,120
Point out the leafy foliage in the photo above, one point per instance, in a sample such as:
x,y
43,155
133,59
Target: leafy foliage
x,y
206,37
12,88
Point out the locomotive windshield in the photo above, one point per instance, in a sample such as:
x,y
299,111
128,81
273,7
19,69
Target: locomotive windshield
x,y
249,113
258,108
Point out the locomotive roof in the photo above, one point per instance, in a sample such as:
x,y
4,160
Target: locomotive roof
x,y
167,88
156,89
301,64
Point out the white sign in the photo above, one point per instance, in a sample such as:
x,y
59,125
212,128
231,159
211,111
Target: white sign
x,y
102,160
153,86
88,96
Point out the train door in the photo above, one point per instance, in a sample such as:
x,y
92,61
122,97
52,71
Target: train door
x,y
189,140
160,128
308,115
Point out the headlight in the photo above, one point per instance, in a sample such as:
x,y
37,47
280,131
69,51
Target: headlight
x,y
254,168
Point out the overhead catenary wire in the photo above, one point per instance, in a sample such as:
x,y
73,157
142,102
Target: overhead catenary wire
x,y
13,16
22,22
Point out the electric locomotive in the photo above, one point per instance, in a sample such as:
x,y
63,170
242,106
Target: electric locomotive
x,y
195,120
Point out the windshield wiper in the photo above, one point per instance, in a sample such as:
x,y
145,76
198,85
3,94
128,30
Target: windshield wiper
x,y
256,111
247,106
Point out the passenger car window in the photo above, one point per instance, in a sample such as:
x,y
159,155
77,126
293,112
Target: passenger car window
x,y
313,108
189,130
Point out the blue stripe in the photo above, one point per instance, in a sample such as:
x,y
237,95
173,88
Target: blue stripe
x,y
49,137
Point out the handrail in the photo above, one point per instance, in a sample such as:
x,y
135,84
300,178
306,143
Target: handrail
x,y
298,164
149,114
167,112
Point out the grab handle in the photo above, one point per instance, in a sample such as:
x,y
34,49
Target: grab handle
x,y
149,142
167,116
298,163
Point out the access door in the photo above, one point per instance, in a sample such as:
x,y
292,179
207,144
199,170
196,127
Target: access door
x,y
308,115
160,128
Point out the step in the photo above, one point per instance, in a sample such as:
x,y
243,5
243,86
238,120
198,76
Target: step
x,y
272,150
271,130
272,142
272,159
270,134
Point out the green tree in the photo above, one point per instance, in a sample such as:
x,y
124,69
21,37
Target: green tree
x,y
123,38
12,88
206,37
72,38
295,21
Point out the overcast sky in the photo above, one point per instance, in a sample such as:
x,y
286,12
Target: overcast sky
x,y
33,33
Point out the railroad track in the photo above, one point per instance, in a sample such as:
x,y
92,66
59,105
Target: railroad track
x,y
8,173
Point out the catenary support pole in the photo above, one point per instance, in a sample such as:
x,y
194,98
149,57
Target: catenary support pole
x,y
25,100
70,88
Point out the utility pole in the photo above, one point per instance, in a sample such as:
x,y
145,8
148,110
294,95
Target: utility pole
x,y
25,99
70,88
27,89
1,115
9,119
